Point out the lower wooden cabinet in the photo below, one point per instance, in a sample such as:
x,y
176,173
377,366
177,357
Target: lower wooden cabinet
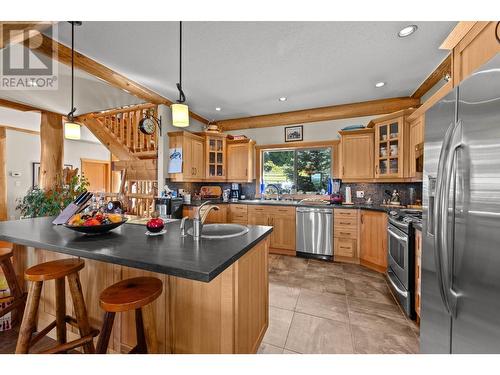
x,y
282,219
214,216
373,238
346,233
418,271
238,214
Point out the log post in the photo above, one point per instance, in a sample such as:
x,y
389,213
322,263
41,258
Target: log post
x,y
52,151
3,175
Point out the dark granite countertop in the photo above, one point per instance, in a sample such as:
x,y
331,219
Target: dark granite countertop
x,y
128,246
372,207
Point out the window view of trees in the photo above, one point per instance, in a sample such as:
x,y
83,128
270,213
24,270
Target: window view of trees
x,y
298,171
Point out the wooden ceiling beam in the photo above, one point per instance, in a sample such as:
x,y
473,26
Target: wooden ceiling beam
x,y
438,74
18,31
336,112
49,47
457,34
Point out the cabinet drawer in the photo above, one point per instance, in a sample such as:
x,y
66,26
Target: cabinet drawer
x,y
238,209
350,222
345,247
239,218
283,211
257,209
343,213
346,232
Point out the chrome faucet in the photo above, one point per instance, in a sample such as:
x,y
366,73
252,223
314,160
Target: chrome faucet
x,y
278,191
199,218
183,226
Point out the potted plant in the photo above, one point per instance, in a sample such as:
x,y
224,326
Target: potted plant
x,y
38,202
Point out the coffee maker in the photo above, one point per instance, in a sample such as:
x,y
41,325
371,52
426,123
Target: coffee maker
x,y
235,194
336,196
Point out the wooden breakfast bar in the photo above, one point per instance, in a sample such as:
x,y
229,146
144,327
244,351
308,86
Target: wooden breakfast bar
x,y
215,292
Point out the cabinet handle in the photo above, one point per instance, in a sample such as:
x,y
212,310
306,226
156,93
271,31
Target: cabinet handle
x,y
344,247
343,170
345,233
343,223
362,219
246,172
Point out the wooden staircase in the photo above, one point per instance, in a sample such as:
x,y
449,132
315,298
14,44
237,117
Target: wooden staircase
x,y
118,130
137,154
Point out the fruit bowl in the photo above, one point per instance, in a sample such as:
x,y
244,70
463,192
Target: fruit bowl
x,y
95,229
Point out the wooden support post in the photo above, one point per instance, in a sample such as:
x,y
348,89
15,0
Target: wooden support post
x,y
52,151
3,175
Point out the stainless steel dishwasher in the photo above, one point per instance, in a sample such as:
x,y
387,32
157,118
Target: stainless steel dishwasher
x,y
314,234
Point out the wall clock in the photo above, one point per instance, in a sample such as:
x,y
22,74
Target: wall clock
x,y
148,124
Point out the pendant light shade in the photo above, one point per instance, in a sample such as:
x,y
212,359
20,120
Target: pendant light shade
x,y
72,129
180,115
180,111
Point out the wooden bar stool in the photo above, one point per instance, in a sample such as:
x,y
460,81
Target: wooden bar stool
x,y
56,270
19,297
131,294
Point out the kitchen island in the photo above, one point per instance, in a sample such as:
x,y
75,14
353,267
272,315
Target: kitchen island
x,y
215,292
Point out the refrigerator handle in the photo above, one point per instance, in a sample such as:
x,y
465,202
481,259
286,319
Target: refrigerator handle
x,y
444,196
438,214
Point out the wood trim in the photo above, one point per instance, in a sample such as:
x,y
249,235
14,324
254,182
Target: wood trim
x,y
437,96
293,146
21,31
336,112
457,34
389,117
3,175
96,161
13,128
53,49
437,75
20,106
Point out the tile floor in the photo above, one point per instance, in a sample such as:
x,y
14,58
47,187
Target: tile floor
x,y
321,307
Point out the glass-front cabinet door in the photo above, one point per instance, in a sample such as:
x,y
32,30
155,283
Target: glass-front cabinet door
x,y
216,156
389,148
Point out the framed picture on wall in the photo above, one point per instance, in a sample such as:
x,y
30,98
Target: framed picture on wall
x,y
35,177
293,133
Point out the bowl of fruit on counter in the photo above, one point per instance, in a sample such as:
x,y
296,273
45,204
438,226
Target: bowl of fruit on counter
x,y
96,222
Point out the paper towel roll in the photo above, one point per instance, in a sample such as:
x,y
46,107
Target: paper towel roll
x,y
348,198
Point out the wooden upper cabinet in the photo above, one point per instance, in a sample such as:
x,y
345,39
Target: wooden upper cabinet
x,y
389,148
415,148
240,160
193,161
373,237
357,154
215,158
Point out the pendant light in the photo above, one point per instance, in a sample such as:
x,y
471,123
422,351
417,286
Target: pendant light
x,y
180,111
72,129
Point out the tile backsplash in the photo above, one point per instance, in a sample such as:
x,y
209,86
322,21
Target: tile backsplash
x,y
375,191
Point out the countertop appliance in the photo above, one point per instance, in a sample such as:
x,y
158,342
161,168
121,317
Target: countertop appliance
x,y
314,236
169,207
401,257
461,218
235,194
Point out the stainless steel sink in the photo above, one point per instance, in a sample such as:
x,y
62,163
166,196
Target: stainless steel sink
x,y
221,231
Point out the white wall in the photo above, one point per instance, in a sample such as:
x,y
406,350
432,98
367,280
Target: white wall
x,y
313,131
23,149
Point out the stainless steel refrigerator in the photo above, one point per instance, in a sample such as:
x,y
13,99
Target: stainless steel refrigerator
x,y
461,232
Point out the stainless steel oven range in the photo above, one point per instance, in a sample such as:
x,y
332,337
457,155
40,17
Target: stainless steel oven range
x,y
401,257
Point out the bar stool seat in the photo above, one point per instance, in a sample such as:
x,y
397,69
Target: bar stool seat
x,y
131,294
19,297
53,270
59,271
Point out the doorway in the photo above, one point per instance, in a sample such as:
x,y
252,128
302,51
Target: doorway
x,y
97,172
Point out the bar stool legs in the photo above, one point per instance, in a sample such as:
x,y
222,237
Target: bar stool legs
x,y
127,295
57,270
19,297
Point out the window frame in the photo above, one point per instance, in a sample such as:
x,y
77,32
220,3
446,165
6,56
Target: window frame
x,y
333,144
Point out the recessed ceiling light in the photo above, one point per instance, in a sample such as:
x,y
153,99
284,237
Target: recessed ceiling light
x,y
282,99
407,31
218,109
380,84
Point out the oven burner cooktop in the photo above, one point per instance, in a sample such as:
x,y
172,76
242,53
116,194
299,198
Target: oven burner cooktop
x,y
404,218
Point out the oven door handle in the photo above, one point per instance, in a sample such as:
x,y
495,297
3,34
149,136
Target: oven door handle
x,y
404,293
394,234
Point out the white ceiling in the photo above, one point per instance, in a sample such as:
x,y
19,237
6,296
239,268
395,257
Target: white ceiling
x,y
244,67
91,94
